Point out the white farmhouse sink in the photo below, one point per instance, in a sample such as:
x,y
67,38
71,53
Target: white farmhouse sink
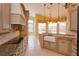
x,y
50,38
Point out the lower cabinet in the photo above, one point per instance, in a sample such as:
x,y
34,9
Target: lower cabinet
x,y
50,45
53,46
41,37
64,47
46,44
74,50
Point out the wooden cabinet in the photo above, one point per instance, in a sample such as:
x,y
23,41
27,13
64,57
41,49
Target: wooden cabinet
x,y
74,47
50,45
63,46
47,44
5,25
41,40
74,50
17,14
53,46
0,19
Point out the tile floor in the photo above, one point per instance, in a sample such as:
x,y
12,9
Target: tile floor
x,y
35,50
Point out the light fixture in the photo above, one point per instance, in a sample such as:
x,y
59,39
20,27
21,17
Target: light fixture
x,y
49,7
70,6
50,14
66,5
58,12
44,12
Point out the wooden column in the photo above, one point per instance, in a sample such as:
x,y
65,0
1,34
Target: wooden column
x,y
36,27
46,27
58,28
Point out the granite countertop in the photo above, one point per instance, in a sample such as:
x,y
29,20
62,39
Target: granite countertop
x,y
7,37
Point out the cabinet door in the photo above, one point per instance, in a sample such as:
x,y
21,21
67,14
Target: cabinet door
x,y
63,46
53,46
0,19
46,44
6,17
74,51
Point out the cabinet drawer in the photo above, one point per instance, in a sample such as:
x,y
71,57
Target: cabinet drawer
x,y
46,44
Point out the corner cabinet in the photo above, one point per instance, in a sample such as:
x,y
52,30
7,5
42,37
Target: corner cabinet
x,y
5,24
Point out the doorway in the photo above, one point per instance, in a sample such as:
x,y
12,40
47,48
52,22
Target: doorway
x,y
30,27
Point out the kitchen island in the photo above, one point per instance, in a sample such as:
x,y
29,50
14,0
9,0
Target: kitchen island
x,y
61,43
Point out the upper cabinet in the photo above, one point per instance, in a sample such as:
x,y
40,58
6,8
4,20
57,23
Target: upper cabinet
x,y
72,8
73,21
5,24
16,8
11,14
17,14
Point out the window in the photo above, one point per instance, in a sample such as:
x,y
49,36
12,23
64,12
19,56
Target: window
x,y
42,28
52,27
62,27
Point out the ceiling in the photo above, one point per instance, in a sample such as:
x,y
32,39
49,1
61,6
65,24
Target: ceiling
x,y
38,8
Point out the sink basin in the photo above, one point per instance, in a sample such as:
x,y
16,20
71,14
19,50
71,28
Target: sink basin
x,y
50,38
